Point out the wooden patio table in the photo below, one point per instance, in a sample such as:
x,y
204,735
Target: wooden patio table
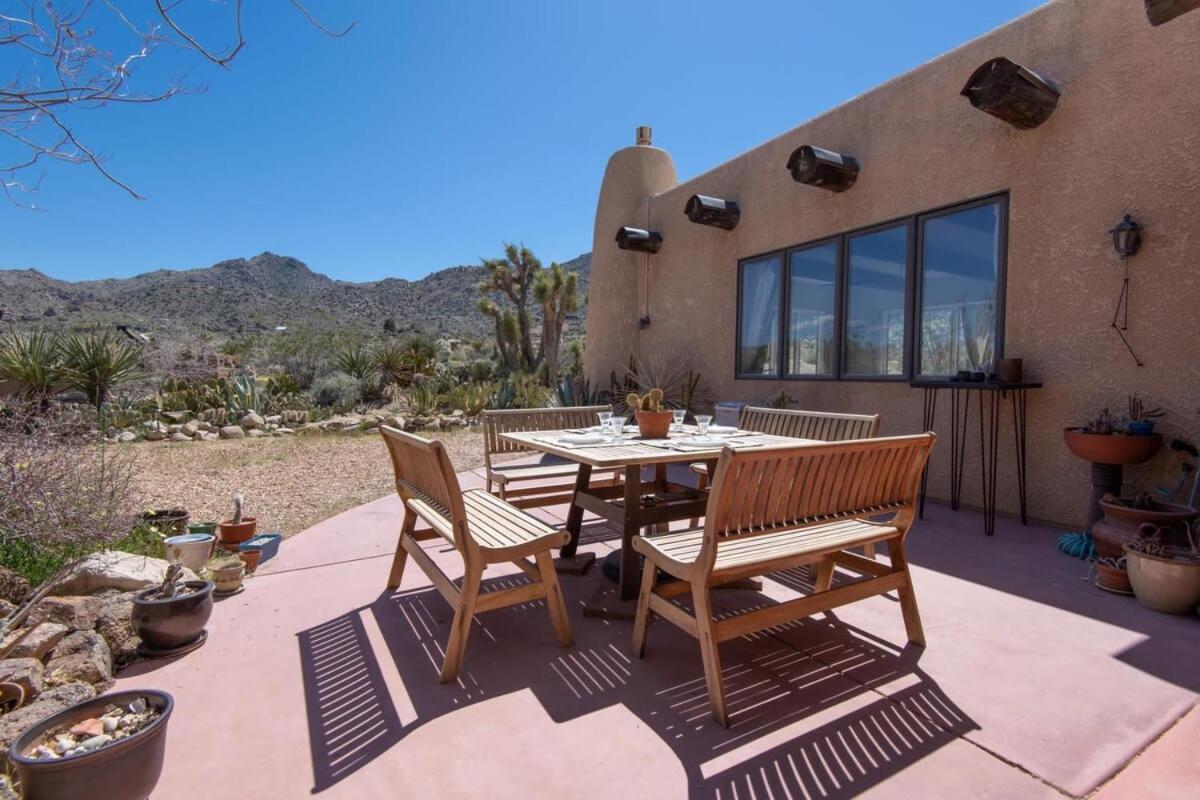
x,y
635,504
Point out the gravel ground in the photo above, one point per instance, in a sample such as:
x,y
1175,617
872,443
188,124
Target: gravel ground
x,y
289,483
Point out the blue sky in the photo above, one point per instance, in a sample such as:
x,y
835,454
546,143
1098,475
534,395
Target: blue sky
x,y
437,130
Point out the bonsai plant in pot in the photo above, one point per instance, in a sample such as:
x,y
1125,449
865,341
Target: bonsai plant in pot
x,y
1141,419
653,420
227,571
170,617
111,746
1165,577
239,528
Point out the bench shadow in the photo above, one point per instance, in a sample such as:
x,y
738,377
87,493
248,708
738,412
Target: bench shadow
x,y
816,675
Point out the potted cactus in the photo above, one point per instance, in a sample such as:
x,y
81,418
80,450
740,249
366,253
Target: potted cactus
x,y
239,528
653,420
1141,419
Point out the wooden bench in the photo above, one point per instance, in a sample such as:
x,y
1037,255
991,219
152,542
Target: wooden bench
x,y
482,528
780,507
547,491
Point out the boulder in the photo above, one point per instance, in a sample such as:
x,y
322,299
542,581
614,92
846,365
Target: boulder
x,y
396,422
39,640
6,608
208,437
50,702
115,624
175,416
154,436
309,428
112,569
25,672
87,660
189,429
126,436
256,433
369,424
154,425
13,587
73,611
284,431
251,421
232,432
180,437
174,428
274,419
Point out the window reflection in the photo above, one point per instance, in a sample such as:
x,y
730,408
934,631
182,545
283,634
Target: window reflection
x,y
876,265
759,353
812,295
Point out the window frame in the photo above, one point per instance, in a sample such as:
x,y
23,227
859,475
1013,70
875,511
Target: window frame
x,y
913,280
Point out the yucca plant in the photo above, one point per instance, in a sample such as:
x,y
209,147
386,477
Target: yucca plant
x,y
95,362
32,360
357,361
390,360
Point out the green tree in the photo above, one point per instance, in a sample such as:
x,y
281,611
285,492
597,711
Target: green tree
x,y
95,362
509,283
556,291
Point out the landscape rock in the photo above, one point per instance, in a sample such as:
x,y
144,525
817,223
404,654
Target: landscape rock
x,y
126,437
154,436
284,431
73,611
86,642
309,428
396,422
115,624
92,665
25,672
189,429
232,432
39,640
208,437
50,702
13,587
180,437
176,416
154,426
174,428
274,419
6,608
112,569
256,433
251,421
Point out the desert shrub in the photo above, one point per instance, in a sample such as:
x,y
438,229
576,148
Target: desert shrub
x,y
62,495
472,398
96,362
33,361
521,390
357,361
337,391
424,398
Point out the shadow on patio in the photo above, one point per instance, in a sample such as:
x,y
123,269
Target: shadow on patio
x,y
816,675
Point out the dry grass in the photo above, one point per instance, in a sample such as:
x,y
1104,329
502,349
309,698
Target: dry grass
x,y
289,483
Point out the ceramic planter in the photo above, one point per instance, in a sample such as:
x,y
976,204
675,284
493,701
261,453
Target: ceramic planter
x,y
170,624
1141,427
250,557
202,527
191,550
1113,448
227,579
1168,585
654,424
237,533
168,520
1120,524
126,770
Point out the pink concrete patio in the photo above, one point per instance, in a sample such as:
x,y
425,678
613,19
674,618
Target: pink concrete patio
x,y
1034,684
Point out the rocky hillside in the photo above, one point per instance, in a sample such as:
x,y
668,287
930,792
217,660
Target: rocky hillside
x,y
256,294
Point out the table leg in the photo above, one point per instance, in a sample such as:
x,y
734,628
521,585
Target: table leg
x,y
960,406
575,512
989,430
927,420
1018,409
633,523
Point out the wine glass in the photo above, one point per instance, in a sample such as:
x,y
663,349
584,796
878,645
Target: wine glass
x,y
677,415
604,416
702,423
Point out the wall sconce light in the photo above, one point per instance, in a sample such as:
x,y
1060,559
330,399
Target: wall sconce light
x,y
1127,240
639,240
826,169
1010,92
705,210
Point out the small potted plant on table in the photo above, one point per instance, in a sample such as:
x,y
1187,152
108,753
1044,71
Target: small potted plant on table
x,y
653,421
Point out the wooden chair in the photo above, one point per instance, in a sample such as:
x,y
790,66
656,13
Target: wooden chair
x,y
500,477
482,528
780,507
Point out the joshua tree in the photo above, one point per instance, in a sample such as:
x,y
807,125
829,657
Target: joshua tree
x,y
510,280
555,290
95,362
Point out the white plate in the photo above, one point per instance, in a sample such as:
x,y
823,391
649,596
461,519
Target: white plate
x,y
721,430
700,441
582,438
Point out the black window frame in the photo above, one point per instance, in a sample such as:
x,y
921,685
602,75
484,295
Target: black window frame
x,y
913,280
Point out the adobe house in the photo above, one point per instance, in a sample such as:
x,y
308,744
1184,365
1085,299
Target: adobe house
x,y
955,215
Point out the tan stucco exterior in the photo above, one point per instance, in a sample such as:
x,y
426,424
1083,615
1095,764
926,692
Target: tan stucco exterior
x,y
1125,138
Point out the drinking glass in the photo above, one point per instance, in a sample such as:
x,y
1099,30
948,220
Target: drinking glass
x,y
677,414
702,423
604,416
617,424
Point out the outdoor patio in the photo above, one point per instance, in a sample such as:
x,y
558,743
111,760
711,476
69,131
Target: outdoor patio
x,y
1034,683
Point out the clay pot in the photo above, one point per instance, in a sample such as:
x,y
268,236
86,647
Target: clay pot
x,y
1168,585
175,622
1119,525
1114,579
236,534
654,424
250,557
1115,448
228,579
126,770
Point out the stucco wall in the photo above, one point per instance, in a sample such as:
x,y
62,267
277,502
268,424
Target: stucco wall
x,y
1124,139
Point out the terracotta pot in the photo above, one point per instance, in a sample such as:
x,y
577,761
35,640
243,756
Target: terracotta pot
x,y
1164,584
250,557
126,770
228,579
1112,578
1115,448
1119,525
236,534
172,623
654,424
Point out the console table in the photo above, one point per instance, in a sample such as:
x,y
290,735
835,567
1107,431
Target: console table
x,y
990,395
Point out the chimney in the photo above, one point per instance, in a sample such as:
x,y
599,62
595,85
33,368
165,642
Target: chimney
x,y
643,135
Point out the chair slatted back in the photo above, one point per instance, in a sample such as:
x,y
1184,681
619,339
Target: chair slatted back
x,y
822,425
424,473
758,491
496,422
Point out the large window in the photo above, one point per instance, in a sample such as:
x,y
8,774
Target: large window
x,y
921,296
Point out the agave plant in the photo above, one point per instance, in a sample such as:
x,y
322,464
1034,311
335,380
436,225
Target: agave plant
x,y
357,361
95,362
33,361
